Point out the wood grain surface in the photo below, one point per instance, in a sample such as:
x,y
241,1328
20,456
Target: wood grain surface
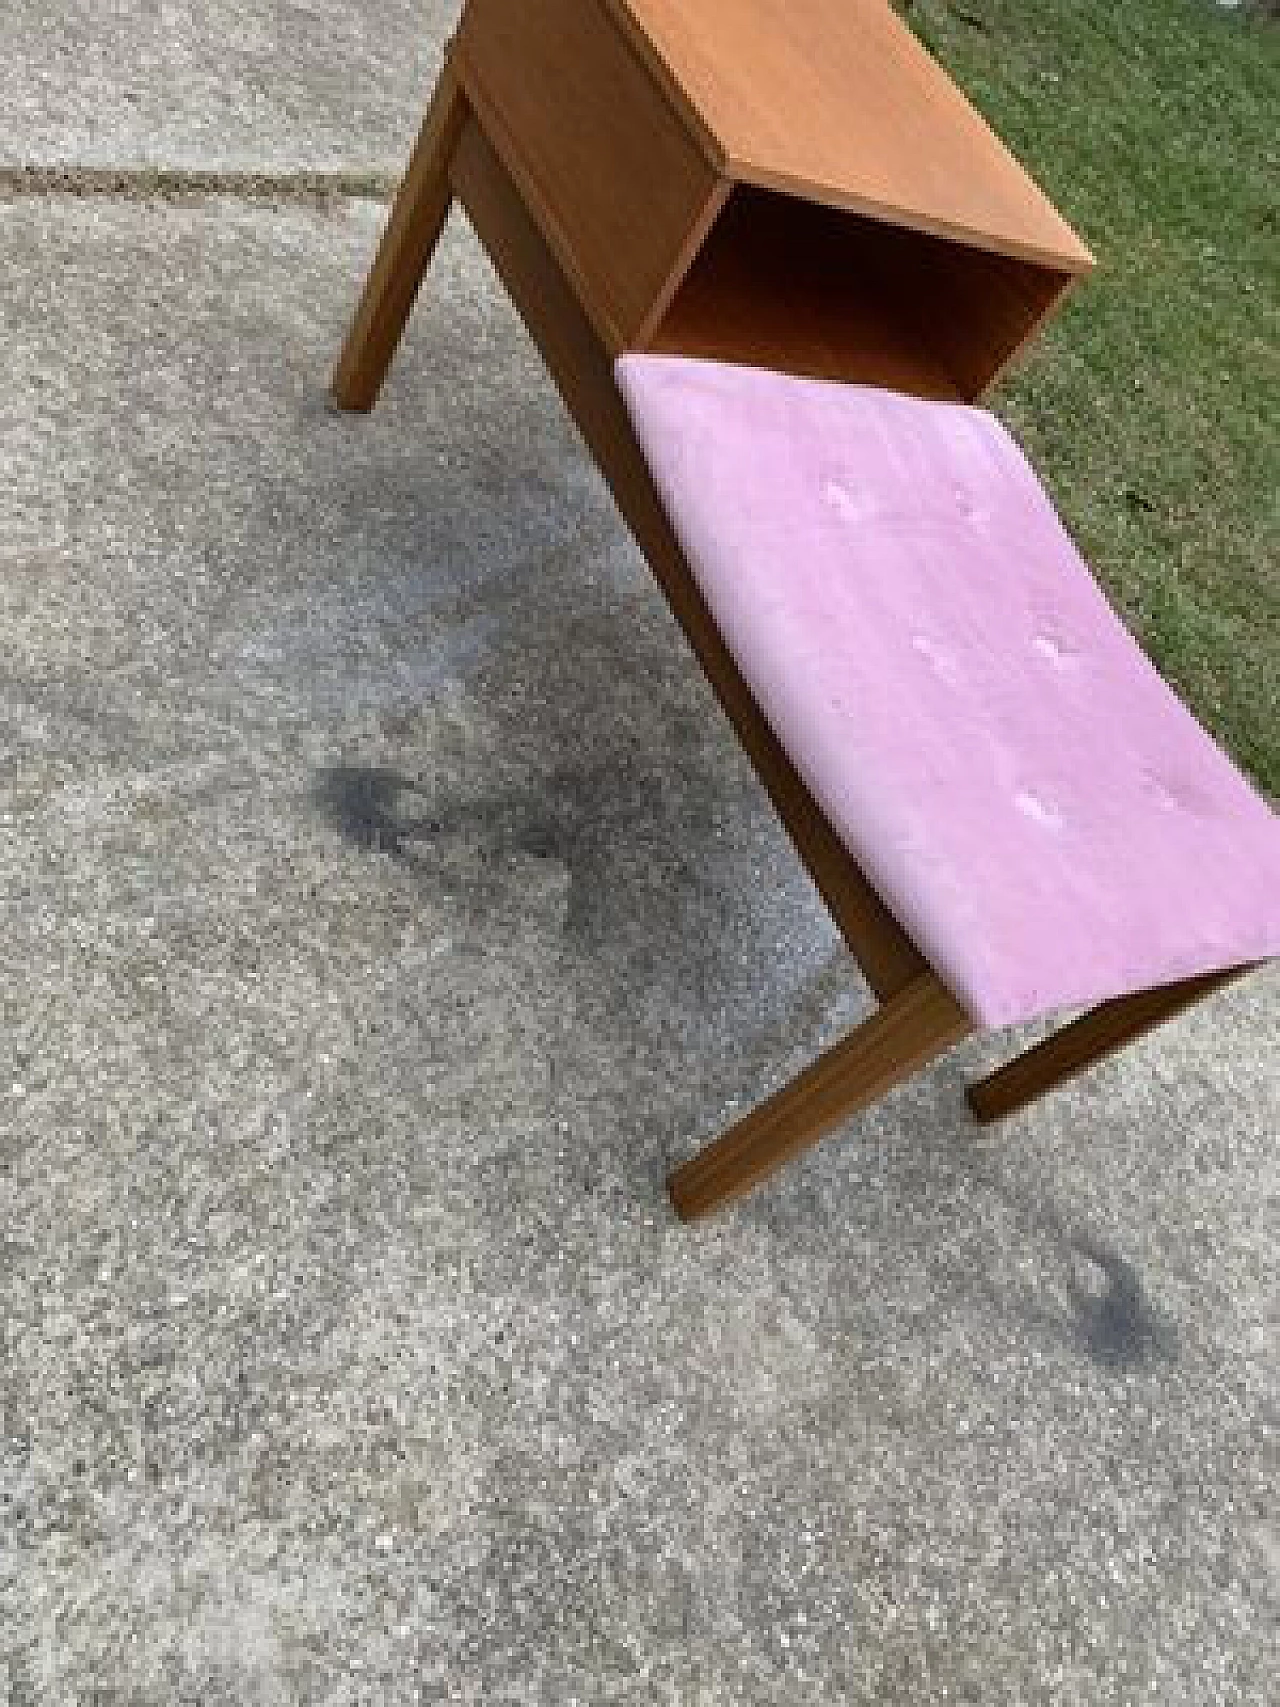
x,y
604,162
838,101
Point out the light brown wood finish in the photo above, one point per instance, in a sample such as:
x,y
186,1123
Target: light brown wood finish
x,y
994,306
782,284
583,373
1091,1038
785,284
671,243
837,100
614,181
611,228
413,230
903,1036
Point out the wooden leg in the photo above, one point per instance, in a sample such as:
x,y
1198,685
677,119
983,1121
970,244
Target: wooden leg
x,y
1093,1036
905,1034
417,219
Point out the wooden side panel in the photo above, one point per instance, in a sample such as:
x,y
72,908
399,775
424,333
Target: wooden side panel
x,y
618,187
583,373
976,310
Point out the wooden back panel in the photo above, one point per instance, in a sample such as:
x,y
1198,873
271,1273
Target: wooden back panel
x,y
782,283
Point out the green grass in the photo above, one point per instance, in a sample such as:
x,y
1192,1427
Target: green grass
x,y
1152,404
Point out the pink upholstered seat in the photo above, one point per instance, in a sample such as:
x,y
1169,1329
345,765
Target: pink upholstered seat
x,y
1038,810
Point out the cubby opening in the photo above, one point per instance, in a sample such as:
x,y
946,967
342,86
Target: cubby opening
x,y
807,289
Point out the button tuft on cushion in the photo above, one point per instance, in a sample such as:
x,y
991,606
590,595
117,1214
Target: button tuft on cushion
x,y
1039,810
1055,650
850,504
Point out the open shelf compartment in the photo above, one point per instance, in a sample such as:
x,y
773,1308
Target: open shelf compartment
x,y
809,289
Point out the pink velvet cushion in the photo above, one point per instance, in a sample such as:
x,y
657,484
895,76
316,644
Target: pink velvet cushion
x,y
1038,810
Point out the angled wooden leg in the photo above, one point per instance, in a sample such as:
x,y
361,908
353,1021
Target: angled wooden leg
x,y
906,1033
417,219
1090,1038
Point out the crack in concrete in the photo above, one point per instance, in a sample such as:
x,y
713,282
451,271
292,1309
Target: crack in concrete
x,y
160,183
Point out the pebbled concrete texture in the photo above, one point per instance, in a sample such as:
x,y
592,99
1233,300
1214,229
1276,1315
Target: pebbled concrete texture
x,y
241,85
385,909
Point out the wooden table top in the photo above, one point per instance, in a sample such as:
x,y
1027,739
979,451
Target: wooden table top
x,y
836,100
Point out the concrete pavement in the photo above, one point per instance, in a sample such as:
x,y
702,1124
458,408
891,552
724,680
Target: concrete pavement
x,y
243,85
385,909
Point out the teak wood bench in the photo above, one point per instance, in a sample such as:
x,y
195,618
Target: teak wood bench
x,y
706,215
